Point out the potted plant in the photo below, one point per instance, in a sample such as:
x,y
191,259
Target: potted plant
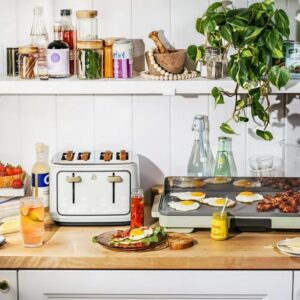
x,y
256,35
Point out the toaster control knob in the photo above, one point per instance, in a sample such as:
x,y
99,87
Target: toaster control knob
x,y
114,179
75,179
4,286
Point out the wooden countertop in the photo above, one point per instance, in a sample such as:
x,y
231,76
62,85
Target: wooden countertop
x,y
72,248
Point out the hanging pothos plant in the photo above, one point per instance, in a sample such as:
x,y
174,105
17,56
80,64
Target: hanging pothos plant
x,y
256,34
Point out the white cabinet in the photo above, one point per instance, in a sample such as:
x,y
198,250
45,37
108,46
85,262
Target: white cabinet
x,y
82,285
296,293
8,278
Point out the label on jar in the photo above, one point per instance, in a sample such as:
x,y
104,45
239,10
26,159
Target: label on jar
x,y
123,59
219,229
40,187
58,62
292,60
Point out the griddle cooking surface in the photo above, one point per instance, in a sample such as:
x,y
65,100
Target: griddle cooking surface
x,y
221,191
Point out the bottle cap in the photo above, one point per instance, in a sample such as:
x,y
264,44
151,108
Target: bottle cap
x,y
40,147
94,44
66,12
28,50
57,27
86,13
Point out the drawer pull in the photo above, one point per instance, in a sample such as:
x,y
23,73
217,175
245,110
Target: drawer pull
x,y
75,179
4,286
114,179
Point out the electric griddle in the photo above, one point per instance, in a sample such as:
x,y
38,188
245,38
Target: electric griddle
x,y
243,216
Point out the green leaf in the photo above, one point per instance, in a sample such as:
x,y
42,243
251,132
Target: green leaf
x,y
279,76
246,53
282,22
94,239
238,72
199,25
226,32
241,104
216,93
252,33
274,43
214,6
195,53
226,128
255,94
238,25
243,119
209,25
266,135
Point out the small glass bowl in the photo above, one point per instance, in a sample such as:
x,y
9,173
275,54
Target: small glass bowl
x,y
261,162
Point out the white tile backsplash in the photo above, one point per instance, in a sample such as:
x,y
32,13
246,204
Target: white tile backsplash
x,y
158,128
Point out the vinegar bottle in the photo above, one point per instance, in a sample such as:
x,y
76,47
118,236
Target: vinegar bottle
x,y
40,175
69,37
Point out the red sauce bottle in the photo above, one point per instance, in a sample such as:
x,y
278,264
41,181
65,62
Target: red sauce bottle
x,y
69,37
137,208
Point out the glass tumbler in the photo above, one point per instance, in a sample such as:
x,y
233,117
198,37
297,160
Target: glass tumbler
x,y
32,221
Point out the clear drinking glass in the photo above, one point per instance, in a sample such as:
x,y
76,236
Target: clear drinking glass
x,y
32,221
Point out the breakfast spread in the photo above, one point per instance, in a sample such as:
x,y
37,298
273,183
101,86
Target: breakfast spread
x,y
286,202
184,205
140,238
179,241
248,197
11,176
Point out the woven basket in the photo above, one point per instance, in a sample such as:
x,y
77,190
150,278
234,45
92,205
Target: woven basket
x,y
6,181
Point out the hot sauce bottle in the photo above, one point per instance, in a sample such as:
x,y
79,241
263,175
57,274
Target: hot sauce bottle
x,y
69,36
137,208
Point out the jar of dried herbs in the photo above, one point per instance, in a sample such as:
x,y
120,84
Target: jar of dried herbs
x,y
90,59
214,64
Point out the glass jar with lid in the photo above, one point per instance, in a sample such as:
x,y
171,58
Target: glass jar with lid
x,y
108,58
90,59
28,57
87,25
214,64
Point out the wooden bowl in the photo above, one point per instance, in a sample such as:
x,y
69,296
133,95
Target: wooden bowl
x,y
173,62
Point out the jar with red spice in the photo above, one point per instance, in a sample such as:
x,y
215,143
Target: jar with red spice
x,y
137,208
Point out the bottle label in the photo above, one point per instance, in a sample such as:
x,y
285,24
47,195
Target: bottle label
x,y
40,186
58,62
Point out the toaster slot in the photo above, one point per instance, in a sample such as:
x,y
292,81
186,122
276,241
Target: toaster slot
x,y
106,156
84,156
68,156
122,155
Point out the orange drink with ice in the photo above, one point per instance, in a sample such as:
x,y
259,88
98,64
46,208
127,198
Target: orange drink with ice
x,y
32,221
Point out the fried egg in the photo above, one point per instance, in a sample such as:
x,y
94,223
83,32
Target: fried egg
x,y
140,233
246,183
215,201
218,180
184,205
248,197
189,195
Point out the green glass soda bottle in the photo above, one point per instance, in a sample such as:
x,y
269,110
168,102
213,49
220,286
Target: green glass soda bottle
x,y
222,165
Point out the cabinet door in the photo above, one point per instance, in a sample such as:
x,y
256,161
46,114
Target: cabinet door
x,y
125,285
11,293
296,285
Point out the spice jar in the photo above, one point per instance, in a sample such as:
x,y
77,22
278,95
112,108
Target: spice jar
x,y
27,62
108,58
219,226
90,59
214,64
87,25
12,59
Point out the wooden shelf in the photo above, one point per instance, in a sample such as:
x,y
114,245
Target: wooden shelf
x,y
134,86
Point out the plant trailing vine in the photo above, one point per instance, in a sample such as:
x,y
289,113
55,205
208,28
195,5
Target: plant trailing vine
x,y
256,34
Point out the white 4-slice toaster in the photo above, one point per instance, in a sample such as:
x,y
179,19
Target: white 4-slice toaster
x,y
93,191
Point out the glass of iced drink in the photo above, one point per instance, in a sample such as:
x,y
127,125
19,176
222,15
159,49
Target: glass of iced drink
x,y
32,221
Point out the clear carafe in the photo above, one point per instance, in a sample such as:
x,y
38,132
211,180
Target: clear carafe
x,y
87,25
222,165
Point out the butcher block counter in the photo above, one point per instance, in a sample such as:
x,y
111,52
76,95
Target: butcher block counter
x,y
72,248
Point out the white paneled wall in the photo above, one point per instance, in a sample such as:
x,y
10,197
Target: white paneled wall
x,y
157,128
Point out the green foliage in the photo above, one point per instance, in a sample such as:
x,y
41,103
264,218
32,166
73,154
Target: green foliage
x,y
256,34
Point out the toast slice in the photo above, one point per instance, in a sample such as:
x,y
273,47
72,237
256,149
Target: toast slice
x,y
178,241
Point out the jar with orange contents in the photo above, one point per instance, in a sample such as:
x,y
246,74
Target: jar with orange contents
x,y
137,208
